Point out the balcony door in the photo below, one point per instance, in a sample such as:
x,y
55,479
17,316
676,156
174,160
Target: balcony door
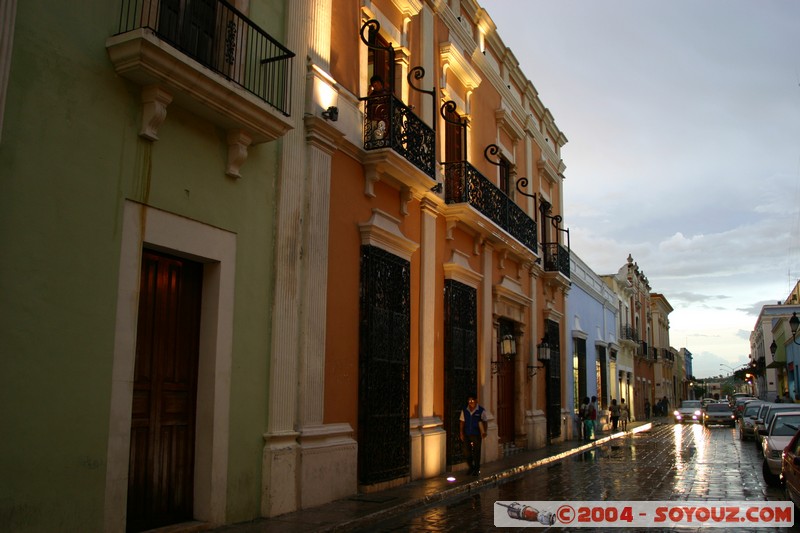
x,y
190,25
455,149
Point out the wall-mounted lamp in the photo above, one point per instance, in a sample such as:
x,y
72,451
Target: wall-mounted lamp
x,y
543,349
772,348
543,352
508,346
332,113
508,349
794,322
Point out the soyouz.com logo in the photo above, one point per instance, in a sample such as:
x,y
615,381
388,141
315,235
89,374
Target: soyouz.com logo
x,y
643,514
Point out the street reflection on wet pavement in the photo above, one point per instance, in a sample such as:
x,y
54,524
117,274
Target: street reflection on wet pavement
x,y
670,462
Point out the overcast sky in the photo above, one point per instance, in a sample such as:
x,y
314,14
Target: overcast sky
x,y
683,121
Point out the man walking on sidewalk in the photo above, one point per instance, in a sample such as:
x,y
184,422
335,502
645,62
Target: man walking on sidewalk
x,y
473,431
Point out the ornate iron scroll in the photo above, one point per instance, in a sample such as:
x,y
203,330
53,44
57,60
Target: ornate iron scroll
x,y
374,27
418,73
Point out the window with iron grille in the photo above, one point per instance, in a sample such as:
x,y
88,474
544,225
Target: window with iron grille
x,y
461,358
384,355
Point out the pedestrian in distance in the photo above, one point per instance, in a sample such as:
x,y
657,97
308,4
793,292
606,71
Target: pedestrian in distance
x,y
624,415
647,409
614,410
582,418
473,431
590,418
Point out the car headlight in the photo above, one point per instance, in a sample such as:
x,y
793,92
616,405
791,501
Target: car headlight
x,y
697,413
676,413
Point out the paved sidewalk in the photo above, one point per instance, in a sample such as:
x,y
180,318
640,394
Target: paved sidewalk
x,y
361,510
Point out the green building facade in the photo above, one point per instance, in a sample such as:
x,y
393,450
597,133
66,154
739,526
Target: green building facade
x,y
139,181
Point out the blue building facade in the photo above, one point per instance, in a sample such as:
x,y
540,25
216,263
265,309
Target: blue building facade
x,y
592,325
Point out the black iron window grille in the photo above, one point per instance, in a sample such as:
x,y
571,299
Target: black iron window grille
x,y
461,358
384,449
218,36
553,382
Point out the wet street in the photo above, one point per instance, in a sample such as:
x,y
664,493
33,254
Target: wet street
x,y
667,463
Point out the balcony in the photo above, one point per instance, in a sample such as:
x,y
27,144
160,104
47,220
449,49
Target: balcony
x,y
389,123
628,333
556,258
465,185
209,58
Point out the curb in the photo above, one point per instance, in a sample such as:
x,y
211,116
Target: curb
x,y
494,479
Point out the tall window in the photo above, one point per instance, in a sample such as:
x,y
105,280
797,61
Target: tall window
x,y
379,61
190,26
384,356
579,361
454,149
461,358
505,176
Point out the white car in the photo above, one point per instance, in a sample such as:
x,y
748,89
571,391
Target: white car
x,y
689,411
747,423
775,438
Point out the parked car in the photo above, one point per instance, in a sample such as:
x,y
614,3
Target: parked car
x,y
718,413
689,411
747,423
790,469
763,423
738,404
776,437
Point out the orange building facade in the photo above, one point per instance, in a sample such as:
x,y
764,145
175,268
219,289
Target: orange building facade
x,y
426,213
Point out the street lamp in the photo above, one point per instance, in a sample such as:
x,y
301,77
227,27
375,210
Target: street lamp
x,y
794,322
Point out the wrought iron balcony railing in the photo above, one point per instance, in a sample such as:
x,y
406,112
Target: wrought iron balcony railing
x,y
464,184
389,123
642,350
556,258
628,333
218,36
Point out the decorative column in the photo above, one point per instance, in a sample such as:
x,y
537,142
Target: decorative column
x,y
328,453
429,443
487,396
308,35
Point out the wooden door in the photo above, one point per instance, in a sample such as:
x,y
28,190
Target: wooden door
x,y
455,150
161,465
506,387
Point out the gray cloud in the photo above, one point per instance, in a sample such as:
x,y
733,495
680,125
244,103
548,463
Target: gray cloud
x,y
683,119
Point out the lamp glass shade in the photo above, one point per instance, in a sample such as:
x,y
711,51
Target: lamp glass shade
x,y
508,346
794,322
544,351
